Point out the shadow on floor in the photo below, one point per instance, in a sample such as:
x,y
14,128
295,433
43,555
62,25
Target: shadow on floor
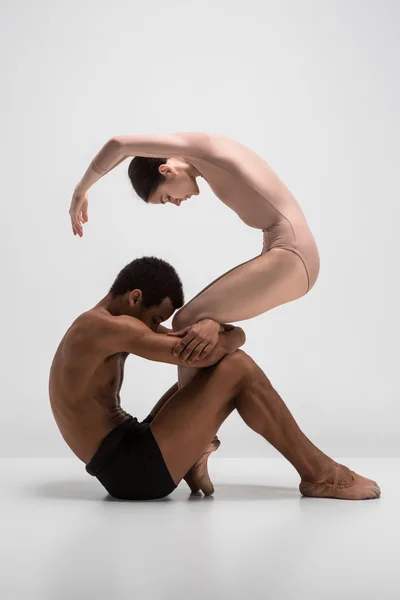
x,y
77,489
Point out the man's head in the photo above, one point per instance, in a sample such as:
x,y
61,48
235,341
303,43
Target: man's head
x,y
149,289
162,180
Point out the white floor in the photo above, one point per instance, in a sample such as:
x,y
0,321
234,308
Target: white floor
x,y
63,537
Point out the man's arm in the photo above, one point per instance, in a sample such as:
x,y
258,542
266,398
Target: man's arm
x,y
127,334
222,327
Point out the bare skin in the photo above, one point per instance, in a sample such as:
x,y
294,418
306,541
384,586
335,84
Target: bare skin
x,y
86,378
197,478
237,382
87,373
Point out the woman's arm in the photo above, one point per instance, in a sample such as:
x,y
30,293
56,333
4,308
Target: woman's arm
x,y
94,171
118,148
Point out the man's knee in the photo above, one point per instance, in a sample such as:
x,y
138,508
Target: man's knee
x,y
238,364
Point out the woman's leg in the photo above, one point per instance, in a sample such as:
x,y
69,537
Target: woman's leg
x,y
193,415
249,290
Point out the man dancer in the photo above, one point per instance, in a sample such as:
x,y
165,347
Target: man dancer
x,y
147,460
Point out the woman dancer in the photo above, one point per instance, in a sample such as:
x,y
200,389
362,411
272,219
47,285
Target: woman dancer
x,y
164,170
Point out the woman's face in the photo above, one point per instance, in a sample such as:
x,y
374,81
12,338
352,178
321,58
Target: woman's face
x,y
178,185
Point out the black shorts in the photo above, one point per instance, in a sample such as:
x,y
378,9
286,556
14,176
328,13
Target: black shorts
x,y
129,464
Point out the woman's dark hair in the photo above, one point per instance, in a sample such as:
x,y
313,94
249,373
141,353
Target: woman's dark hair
x,y
155,277
145,176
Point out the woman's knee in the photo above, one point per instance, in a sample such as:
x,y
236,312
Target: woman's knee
x,y
185,317
179,321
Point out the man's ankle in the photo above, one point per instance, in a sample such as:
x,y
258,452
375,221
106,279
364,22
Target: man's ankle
x,y
317,469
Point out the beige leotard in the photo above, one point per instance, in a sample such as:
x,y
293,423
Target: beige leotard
x,y
246,183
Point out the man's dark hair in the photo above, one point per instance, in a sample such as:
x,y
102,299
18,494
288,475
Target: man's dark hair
x,y
145,176
155,277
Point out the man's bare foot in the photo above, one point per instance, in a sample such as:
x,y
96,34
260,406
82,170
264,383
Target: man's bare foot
x,y
197,477
342,483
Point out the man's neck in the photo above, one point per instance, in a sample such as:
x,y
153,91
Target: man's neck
x,y
112,304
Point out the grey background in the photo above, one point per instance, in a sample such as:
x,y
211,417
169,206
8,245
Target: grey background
x,y
313,86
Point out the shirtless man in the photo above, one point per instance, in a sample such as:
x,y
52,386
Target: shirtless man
x,y
146,460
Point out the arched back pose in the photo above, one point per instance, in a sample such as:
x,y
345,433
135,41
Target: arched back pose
x,y
286,268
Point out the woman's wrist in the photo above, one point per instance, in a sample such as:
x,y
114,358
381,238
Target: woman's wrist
x,y
89,178
79,191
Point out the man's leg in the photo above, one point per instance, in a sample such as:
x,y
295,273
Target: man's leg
x,y
157,407
262,409
194,414
197,476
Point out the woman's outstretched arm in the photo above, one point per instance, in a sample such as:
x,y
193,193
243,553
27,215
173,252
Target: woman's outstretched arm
x,y
118,148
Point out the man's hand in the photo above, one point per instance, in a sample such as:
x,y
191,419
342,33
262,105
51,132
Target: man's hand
x,y
198,340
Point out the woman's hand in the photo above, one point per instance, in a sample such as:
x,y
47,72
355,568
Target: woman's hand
x,y
78,212
197,340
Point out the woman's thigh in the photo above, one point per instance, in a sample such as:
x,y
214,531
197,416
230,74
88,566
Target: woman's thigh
x,y
248,290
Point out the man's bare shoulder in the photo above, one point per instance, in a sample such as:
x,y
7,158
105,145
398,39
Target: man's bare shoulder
x,y
95,327
98,321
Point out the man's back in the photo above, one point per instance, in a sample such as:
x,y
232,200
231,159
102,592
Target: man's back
x,y
84,386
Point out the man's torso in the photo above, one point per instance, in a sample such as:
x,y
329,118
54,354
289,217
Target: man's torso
x,y
84,388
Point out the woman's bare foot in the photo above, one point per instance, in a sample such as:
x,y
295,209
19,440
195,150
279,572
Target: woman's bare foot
x,y
342,483
197,477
